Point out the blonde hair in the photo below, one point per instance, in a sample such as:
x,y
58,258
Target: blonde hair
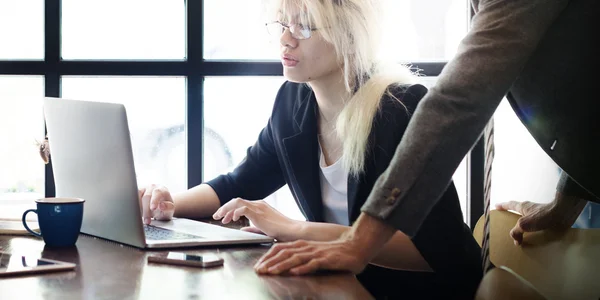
x,y
351,27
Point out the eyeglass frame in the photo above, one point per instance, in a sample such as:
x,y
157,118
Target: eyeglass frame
x,y
289,27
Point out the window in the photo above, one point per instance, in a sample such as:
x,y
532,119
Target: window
x,y
116,29
177,60
413,30
227,139
21,167
231,136
156,114
419,31
22,29
234,29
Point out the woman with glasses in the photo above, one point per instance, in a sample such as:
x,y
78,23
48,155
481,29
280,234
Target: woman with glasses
x,y
334,127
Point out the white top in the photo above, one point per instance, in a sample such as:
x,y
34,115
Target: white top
x,y
334,191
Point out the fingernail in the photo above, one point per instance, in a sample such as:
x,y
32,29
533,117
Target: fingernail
x,y
162,206
273,270
152,206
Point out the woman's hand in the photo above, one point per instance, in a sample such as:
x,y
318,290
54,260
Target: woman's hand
x,y
265,218
157,203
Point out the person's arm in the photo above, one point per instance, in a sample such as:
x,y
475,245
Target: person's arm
x,y
351,252
188,206
452,115
398,253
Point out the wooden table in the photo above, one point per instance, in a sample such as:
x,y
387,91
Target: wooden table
x,y
107,270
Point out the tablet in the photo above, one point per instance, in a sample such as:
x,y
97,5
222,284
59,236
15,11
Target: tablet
x,y
16,264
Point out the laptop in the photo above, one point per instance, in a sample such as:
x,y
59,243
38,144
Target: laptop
x,y
92,159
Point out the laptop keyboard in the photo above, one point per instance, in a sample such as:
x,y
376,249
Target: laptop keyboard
x,y
158,233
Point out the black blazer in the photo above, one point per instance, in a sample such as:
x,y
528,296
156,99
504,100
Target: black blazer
x,y
287,152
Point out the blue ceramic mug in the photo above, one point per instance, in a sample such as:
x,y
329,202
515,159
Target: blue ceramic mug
x,y
59,220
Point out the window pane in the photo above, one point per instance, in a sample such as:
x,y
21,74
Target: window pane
x,y
156,113
522,171
239,35
423,30
117,29
229,132
22,29
414,30
21,127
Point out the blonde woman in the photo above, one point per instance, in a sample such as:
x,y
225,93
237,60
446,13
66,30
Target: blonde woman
x,y
333,130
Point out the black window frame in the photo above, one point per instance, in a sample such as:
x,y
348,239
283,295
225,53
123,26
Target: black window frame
x,y
194,68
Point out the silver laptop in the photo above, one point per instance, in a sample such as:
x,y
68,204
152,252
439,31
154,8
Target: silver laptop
x,y
92,159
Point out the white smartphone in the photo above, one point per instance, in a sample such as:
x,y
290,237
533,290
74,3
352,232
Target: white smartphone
x,y
14,264
182,259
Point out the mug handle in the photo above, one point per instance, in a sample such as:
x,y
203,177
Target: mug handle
x,y
25,223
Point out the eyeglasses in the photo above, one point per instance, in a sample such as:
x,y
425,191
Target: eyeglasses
x,y
298,31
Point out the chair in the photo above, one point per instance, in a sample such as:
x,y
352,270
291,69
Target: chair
x,y
503,283
558,264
